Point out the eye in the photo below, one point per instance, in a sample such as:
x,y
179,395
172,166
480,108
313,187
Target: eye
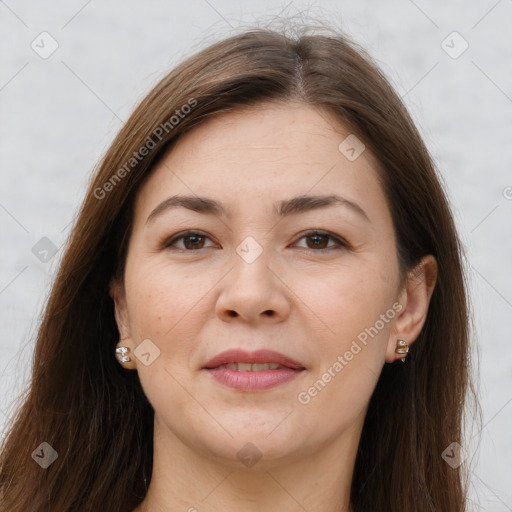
x,y
195,240
192,240
319,239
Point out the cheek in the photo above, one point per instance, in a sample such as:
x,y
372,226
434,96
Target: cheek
x,y
160,298
169,306
349,300
357,307
165,307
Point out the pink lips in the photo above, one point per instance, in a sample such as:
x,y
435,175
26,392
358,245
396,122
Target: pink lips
x,y
253,380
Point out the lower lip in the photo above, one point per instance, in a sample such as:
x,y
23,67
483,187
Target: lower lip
x,y
253,381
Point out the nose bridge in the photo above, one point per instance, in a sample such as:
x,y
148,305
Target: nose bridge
x,y
251,261
252,288
250,249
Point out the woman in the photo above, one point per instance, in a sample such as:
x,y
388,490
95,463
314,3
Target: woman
x,y
261,305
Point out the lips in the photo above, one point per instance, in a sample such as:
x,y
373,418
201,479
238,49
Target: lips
x,y
243,359
251,372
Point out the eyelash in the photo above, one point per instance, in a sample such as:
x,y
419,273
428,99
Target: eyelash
x,y
185,234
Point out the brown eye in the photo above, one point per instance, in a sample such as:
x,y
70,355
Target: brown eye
x,y
191,241
318,241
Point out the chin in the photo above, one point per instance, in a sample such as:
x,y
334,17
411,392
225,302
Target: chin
x,y
255,453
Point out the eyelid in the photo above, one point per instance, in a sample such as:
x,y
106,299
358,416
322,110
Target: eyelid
x,y
339,241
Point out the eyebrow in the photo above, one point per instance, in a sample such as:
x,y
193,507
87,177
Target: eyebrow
x,y
295,205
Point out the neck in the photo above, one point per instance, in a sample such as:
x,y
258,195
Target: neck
x,y
185,479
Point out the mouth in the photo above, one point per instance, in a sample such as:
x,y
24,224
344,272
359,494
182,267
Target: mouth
x,y
256,371
250,367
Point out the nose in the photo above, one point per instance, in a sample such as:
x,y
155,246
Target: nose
x,y
254,292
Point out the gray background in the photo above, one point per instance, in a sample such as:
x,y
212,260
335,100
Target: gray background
x,y
59,114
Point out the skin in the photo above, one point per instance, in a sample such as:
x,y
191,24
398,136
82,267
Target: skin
x,y
193,305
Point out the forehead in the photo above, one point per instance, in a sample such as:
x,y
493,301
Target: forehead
x,y
266,132
270,151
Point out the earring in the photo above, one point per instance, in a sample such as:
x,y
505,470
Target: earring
x,y
121,354
402,348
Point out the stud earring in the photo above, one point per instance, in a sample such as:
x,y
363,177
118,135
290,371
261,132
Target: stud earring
x,y
121,354
402,348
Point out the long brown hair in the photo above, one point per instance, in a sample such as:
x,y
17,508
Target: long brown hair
x,y
95,414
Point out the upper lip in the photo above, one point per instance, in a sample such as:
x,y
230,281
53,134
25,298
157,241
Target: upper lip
x,y
259,356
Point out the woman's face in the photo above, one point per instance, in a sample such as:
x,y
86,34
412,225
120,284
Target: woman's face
x,y
314,280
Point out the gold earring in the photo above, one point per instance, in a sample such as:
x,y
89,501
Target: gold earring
x,y
402,348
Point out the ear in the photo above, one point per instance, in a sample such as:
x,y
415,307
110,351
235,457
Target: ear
x,y
415,300
118,295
